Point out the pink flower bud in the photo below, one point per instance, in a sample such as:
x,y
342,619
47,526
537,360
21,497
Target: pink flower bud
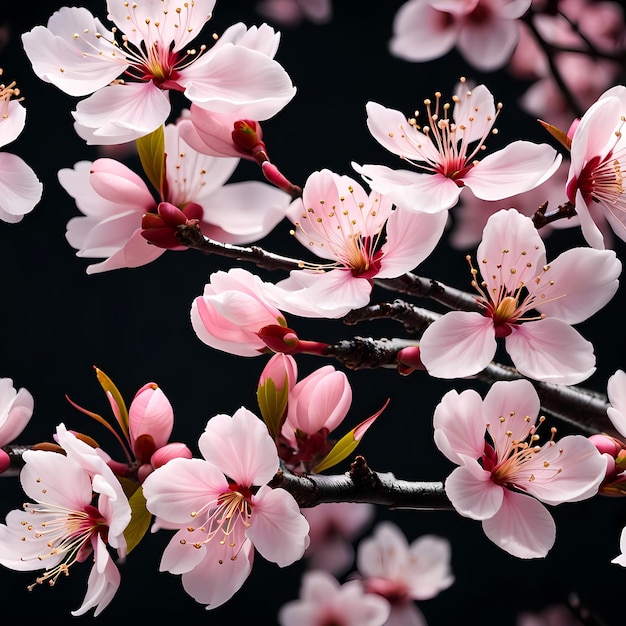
x,y
606,444
160,229
247,136
279,368
151,414
5,461
409,360
280,339
321,400
171,451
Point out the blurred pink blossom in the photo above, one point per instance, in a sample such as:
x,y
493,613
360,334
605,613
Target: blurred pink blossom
x,y
485,32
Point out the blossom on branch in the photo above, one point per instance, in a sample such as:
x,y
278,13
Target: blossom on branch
x,y
503,479
344,225
80,56
20,189
445,149
115,201
598,166
221,507
65,525
485,32
515,282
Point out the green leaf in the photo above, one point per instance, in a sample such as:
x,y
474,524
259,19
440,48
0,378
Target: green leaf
x,y
109,387
139,521
344,447
272,404
151,150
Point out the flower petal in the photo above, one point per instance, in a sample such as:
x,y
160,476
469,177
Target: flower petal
x,y
472,492
523,527
551,351
458,344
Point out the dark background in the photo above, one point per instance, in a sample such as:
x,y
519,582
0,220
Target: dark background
x,y
58,323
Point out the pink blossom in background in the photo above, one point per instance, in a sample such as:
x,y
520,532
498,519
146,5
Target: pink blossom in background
x,y
290,13
16,409
444,150
471,215
221,507
324,601
597,167
20,189
114,199
232,310
237,74
340,222
401,573
515,282
63,526
504,480
333,528
485,32
555,615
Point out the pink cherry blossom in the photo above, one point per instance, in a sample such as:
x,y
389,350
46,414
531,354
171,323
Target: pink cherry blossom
x,y
222,506
597,166
324,601
20,189
129,80
113,200
516,281
445,150
63,524
231,312
16,409
341,223
402,573
333,528
504,479
485,32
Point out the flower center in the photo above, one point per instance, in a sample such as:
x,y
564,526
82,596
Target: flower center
x,y
350,233
505,304
226,520
6,93
67,535
451,139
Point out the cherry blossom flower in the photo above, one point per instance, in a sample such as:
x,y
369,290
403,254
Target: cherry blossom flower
x,y
445,150
503,480
80,56
114,199
333,528
64,525
343,224
20,189
232,310
222,506
516,281
598,153
16,409
401,573
485,32
324,601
